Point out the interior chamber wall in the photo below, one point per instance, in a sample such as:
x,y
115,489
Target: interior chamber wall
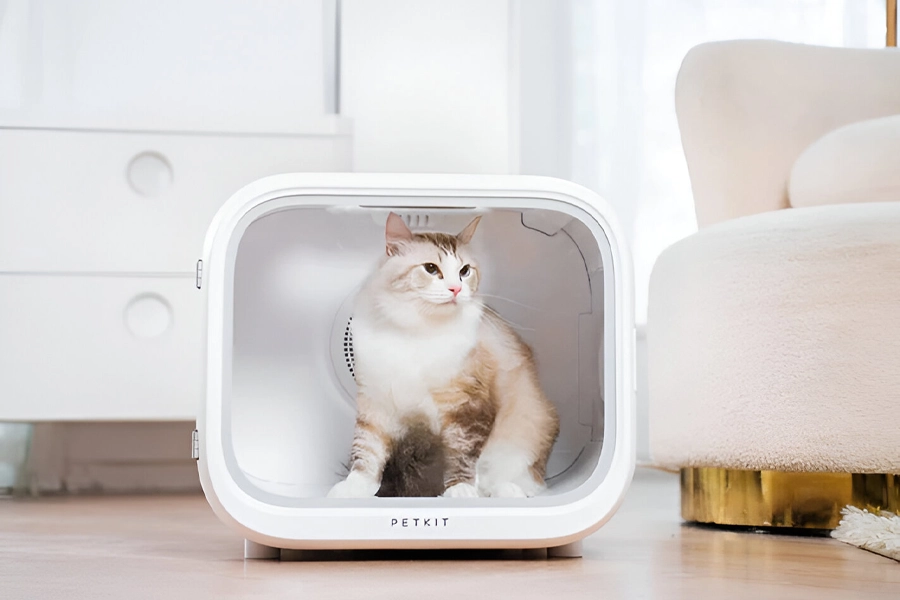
x,y
296,272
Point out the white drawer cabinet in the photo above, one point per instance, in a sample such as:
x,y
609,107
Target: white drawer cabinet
x,y
100,231
99,347
75,201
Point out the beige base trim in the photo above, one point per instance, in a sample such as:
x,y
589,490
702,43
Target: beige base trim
x,y
780,499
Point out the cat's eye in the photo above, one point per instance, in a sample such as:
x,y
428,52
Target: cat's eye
x,y
431,269
464,272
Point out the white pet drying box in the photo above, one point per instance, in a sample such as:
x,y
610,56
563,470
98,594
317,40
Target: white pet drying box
x,y
282,262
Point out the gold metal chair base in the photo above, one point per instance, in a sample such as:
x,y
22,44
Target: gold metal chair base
x,y
781,499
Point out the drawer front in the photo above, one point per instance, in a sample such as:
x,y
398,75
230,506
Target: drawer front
x,y
100,202
100,348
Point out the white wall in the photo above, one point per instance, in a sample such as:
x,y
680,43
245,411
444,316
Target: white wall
x,y
475,86
427,84
544,63
200,65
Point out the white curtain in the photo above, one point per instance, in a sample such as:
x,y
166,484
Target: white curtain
x,y
627,53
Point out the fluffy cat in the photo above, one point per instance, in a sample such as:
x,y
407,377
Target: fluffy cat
x,y
447,389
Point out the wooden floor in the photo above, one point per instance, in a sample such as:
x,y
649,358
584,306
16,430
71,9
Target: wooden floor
x,y
174,547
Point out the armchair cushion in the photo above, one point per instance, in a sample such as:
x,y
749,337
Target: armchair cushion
x,y
774,343
859,162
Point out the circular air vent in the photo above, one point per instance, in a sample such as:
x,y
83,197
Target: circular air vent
x,y
343,356
348,347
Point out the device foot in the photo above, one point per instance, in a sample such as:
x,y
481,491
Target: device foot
x,y
255,551
570,550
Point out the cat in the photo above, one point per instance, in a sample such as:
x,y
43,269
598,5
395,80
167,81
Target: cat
x,y
442,380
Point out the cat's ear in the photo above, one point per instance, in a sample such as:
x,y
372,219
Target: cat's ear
x,y
465,236
395,233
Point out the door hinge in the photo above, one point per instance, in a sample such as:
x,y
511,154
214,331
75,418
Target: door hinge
x,y
195,445
199,274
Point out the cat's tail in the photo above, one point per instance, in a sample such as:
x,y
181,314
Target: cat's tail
x,y
415,467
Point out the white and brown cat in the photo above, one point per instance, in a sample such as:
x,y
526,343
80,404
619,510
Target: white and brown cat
x,y
449,400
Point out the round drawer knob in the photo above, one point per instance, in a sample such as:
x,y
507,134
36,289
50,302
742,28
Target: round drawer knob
x,y
149,174
148,315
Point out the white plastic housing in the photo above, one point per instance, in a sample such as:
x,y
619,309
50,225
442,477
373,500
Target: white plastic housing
x,y
282,262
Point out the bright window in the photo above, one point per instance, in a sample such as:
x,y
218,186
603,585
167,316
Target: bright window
x,y
627,53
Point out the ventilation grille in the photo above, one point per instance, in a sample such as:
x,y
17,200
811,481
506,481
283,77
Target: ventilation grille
x,y
420,220
342,353
349,357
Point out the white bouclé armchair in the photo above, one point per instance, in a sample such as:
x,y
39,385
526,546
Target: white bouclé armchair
x,y
774,332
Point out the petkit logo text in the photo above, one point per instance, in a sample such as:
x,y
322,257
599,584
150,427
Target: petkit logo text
x,y
420,522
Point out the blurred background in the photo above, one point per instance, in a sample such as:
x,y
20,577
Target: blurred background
x,y
124,125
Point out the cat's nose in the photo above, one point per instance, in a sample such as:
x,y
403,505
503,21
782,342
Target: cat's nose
x,y
456,289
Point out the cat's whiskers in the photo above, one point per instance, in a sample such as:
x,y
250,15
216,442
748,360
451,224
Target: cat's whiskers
x,y
510,300
511,323
441,298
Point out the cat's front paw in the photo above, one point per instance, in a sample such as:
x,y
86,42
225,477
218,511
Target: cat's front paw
x,y
355,486
507,490
461,490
